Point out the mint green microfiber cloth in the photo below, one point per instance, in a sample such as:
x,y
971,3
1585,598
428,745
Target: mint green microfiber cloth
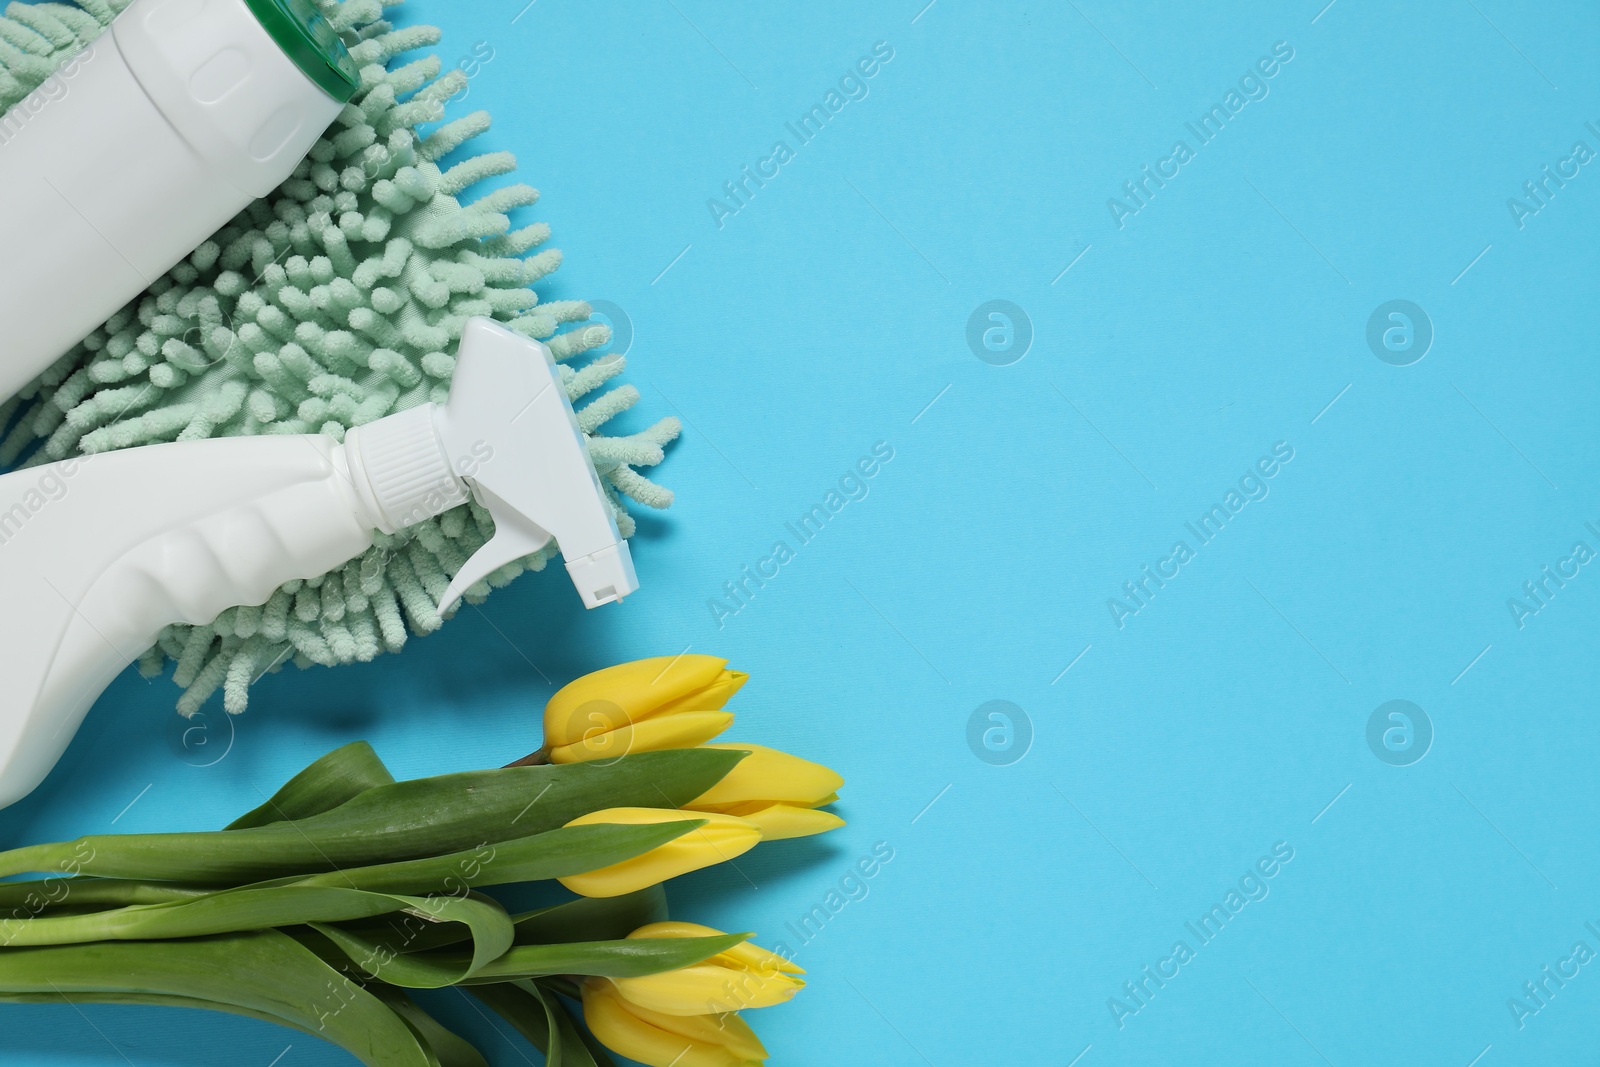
x,y
336,300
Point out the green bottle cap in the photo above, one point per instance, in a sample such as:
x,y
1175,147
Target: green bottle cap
x,y
305,37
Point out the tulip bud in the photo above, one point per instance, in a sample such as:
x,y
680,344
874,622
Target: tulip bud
x,y
628,693
771,777
778,822
722,837
711,697
659,1040
776,792
684,729
745,976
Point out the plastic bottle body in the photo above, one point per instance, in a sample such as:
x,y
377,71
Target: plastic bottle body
x,y
98,141
98,554
131,155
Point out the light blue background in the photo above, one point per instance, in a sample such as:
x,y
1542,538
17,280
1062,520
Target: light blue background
x,y
1226,716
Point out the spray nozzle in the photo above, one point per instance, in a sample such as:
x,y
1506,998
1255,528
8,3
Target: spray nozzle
x,y
507,434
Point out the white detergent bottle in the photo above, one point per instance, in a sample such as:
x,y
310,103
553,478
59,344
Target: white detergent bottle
x,y
99,553
143,145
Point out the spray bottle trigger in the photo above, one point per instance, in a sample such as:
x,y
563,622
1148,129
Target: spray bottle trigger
x,y
515,536
509,430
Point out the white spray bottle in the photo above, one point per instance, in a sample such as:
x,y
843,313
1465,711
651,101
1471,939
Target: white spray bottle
x,y
143,145
99,553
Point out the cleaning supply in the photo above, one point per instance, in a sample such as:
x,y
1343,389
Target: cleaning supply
x,y
98,554
333,301
147,141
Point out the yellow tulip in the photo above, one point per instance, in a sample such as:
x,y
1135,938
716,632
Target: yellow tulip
x,y
604,741
658,1040
771,777
776,792
778,822
745,976
721,838
710,698
630,692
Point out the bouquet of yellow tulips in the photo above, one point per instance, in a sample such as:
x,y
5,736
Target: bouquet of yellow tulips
x,y
321,908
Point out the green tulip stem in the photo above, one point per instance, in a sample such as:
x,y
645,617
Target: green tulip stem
x,y
33,858
533,759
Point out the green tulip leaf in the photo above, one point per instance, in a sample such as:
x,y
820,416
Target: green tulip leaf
x,y
328,782
258,908
448,1049
440,1047
583,919
536,1013
152,1000
25,900
553,854
325,784
558,1038
592,918
623,958
580,1046
385,959
400,821
263,975
523,1009
631,957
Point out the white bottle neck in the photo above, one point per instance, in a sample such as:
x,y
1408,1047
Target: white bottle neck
x,y
400,470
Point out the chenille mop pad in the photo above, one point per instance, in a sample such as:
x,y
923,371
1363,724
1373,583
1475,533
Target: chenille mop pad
x,y
336,300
